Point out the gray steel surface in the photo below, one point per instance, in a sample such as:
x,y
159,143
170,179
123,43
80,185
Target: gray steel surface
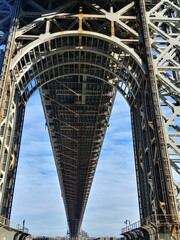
x,y
79,54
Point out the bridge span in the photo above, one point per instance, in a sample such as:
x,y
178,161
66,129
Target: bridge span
x,y
79,54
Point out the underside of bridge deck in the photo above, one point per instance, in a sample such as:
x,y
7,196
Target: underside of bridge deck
x,y
77,111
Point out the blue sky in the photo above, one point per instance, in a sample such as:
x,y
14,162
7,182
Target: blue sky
x,y
113,197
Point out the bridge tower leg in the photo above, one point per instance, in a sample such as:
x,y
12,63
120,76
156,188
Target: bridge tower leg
x,y
11,111
155,134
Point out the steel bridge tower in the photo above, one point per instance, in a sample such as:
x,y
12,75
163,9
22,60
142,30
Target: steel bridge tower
x,y
79,54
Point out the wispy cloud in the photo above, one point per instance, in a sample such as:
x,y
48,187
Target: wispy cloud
x,y
113,197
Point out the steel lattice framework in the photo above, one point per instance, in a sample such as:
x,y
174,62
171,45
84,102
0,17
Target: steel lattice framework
x,y
79,54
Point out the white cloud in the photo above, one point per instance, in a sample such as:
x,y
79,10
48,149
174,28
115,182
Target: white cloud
x,y
113,197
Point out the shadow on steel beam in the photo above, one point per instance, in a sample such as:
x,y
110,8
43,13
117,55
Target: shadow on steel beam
x,y
142,233
20,236
150,232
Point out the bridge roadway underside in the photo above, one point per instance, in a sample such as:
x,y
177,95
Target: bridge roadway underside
x,y
77,110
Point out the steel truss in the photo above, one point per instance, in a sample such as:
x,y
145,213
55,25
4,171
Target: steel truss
x,y
79,53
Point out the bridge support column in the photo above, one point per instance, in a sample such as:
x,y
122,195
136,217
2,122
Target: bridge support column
x,y
12,234
150,232
6,235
